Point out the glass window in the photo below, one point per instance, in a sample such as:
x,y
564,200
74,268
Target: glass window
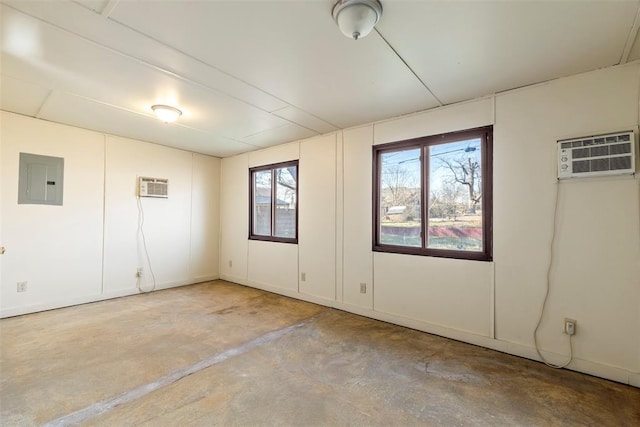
x,y
455,193
285,208
400,218
274,202
262,203
434,195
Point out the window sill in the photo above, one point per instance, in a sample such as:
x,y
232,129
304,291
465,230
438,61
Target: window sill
x,y
274,239
435,253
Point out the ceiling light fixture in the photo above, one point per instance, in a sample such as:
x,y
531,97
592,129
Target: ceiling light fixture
x,y
356,18
166,113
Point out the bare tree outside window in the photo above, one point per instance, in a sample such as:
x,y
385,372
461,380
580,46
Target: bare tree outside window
x,y
400,217
464,169
456,182
433,195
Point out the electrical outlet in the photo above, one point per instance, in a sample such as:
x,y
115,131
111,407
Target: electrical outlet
x,y
363,288
139,272
303,276
22,287
570,326
230,263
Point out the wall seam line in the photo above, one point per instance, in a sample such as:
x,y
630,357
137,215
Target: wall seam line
x,y
342,214
336,214
373,263
493,232
104,207
298,215
190,273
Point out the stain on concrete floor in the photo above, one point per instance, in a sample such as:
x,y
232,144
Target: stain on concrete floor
x,y
334,369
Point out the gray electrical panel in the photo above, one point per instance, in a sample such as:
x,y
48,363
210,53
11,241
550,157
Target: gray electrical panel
x,y
40,180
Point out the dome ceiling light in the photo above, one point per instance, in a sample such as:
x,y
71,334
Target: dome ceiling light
x,y
356,18
166,113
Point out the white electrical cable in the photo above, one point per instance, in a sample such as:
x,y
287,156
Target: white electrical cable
x,y
546,295
144,245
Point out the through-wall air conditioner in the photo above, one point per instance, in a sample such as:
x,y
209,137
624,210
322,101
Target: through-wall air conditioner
x,y
610,154
153,187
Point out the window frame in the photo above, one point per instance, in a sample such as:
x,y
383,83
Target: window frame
x,y
485,134
272,167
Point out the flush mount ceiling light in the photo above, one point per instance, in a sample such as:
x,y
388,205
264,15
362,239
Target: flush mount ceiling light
x,y
166,113
356,18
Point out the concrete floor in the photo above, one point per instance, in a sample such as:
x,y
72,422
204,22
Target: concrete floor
x,y
223,354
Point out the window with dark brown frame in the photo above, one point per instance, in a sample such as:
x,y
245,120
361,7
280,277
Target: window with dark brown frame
x,y
273,202
433,195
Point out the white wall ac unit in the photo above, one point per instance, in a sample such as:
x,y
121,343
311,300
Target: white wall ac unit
x,y
153,187
611,154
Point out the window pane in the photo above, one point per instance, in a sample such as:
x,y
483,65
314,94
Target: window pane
x,y
286,203
400,217
262,203
455,196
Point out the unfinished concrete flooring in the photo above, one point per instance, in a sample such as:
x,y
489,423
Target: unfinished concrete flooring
x,y
223,354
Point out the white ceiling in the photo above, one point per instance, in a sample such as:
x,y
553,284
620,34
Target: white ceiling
x,y
251,74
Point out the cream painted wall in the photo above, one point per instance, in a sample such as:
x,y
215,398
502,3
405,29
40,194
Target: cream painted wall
x,y
57,250
452,293
273,266
234,218
357,184
277,154
88,249
166,221
205,217
596,271
277,266
465,115
596,279
440,291
270,265
495,304
317,244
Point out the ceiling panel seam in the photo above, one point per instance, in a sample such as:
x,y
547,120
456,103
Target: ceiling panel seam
x,y
44,102
176,75
290,122
109,7
408,67
631,38
274,129
106,9
275,113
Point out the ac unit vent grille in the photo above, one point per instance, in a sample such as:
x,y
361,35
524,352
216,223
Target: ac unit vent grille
x,y
581,166
581,152
620,148
619,163
153,187
611,154
598,165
